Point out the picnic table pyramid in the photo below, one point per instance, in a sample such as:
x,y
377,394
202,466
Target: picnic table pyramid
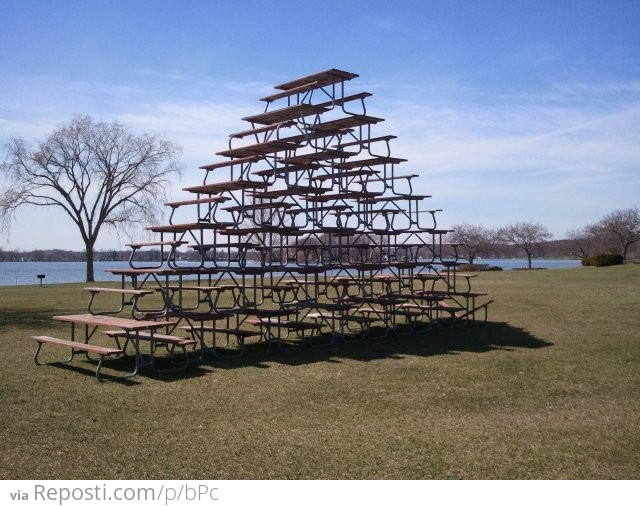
x,y
306,231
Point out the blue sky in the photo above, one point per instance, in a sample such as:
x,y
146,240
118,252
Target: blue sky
x,y
509,110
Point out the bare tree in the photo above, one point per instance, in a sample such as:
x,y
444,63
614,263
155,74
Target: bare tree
x,y
526,236
582,241
475,239
98,173
618,230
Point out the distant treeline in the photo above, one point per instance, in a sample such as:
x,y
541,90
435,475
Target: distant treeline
x,y
550,249
59,255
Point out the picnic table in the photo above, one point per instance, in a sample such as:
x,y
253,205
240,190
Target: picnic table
x,y
85,326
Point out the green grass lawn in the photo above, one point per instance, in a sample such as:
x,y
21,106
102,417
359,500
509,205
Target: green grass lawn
x,y
548,388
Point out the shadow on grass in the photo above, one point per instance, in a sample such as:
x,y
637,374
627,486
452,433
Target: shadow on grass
x,y
476,338
27,319
473,338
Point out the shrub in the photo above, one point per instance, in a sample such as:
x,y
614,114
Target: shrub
x,y
479,267
603,260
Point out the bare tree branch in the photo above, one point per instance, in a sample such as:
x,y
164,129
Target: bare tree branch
x,y
98,173
526,236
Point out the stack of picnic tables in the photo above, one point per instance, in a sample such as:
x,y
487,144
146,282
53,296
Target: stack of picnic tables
x,y
306,232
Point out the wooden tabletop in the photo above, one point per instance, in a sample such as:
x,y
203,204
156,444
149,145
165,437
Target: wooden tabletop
x,y
110,321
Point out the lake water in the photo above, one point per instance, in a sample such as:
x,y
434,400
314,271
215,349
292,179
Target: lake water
x,y
25,273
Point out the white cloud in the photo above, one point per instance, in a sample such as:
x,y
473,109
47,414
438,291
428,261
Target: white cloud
x,y
562,155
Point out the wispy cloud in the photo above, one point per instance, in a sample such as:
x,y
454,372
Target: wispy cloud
x,y
488,156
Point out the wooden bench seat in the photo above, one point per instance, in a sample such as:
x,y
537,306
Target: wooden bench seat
x,y
343,317
343,100
173,244
76,348
444,306
360,142
261,206
128,297
346,122
281,171
319,79
369,162
111,321
124,291
158,338
215,188
336,207
292,112
260,148
372,211
236,332
303,88
343,175
261,130
473,310
421,307
263,230
237,245
231,163
292,190
222,314
348,195
288,324
382,301
396,198
185,227
204,289
268,313
454,293
405,176
316,156
192,202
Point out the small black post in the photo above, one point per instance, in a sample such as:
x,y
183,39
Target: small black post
x,y
40,277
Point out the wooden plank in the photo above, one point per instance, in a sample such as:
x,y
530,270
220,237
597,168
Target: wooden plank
x,y
344,100
77,346
361,142
185,227
230,163
264,205
375,200
111,321
261,148
327,154
342,175
289,191
297,111
324,78
289,324
287,170
237,332
369,162
304,88
347,122
262,129
158,338
214,188
192,202
136,245
125,291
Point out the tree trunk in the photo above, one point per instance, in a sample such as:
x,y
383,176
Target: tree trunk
x,y
529,257
89,250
